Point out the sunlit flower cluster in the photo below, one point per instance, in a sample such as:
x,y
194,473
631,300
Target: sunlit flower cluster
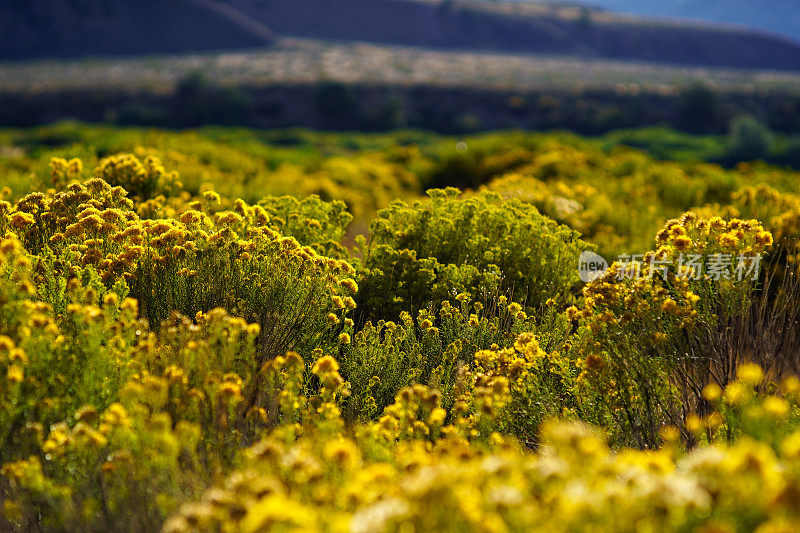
x,y
185,355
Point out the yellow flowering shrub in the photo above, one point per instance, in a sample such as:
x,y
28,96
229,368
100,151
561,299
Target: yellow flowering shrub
x,y
211,352
142,179
574,483
231,258
639,315
429,251
52,363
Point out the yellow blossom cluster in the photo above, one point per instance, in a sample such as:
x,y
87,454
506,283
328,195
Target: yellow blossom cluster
x,y
183,354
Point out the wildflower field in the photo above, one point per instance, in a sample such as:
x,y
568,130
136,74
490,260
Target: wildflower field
x,y
233,330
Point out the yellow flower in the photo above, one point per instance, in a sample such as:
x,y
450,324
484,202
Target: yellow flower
x,y
659,336
525,342
682,242
342,452
130,305
229,217
93,313
712,392
729,240
6,344
116,415
572,313
21,220
277,512
230,390
677,230
500,386
325,365
790,447
791,385
750,373
350,285
15,374
437,416
10,246
56,439
735,394
694,424
18,355
212,197
716,223
191,217
776,407
594,363
669,433
669,306
75,166
608,317
12,511
764,238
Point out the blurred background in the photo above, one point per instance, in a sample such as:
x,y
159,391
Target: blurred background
x,y
704,67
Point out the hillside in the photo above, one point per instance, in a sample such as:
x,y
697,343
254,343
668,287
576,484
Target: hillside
x,y
773,15
529,28
387,86
75,28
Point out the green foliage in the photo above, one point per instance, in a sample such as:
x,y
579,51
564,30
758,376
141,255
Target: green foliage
x,y
749,139
699,110
173,357
142,179
384,357
198,101
643,355
80,352
423,253
311,221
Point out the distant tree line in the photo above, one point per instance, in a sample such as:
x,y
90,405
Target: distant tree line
x,y
196,100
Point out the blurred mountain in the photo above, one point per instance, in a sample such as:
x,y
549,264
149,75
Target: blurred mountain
x,y
532,27
63,28
774,15
75,28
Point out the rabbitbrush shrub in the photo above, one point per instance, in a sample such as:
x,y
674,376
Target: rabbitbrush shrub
x,y
196,352
434,249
